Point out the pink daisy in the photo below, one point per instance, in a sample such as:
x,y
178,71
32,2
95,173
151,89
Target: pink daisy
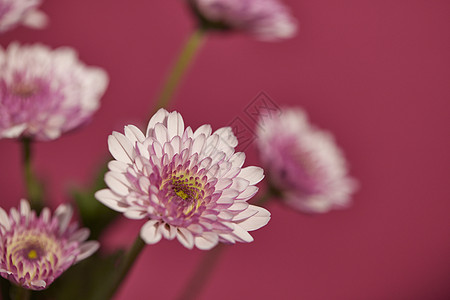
x,y
265,19
34,251
304,163
188,185
44,92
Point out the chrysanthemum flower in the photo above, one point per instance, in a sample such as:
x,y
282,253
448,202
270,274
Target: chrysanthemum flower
x,y
15,12
264,19
34,251
304,163
44,93
189,185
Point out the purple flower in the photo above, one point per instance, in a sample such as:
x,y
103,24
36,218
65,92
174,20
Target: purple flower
x,y
265,19
34,251
44,93
304,163
15,12
188,185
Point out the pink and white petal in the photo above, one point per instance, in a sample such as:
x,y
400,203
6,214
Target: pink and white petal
x,y
4,219
223,183
227,238
225,200
204,129
38,284
244,215
175,124
225,215
117,166
237,159
134,213
252,174
188,134
226,134
64,214
45,215
111,199
35,19
176,144
205,163
211,145
230,193
238,206
80,235
249,192
198,144
118,183
121,148
24,207
256,221
161,134
14,131
144,184
87,249
157,149
168,149
240,184
150,233
241,234
206,241
168,231
143,149
159,117
185,237
195,229
134,134
14,214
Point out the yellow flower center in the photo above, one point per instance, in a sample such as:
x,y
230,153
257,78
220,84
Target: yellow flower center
x,y
32,254
187,187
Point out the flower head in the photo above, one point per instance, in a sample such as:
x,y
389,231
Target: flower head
x,y
188,185
15,12
264,19
304,163
34,251
44,93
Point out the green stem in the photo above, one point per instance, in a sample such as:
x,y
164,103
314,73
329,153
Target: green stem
x,y
180,67
123,269
21,293
201,275
34,189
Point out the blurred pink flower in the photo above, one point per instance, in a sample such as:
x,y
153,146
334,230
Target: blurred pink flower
x,y
189,185
25,12
44,92
34,251
265,19
304,163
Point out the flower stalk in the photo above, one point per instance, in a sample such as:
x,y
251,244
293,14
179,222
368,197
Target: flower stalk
x,y
124,268
21,293
199,279
33,187
190,49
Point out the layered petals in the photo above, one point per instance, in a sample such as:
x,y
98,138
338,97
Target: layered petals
x,y
304,163
188,184
267,20
34,250
44,92
25,12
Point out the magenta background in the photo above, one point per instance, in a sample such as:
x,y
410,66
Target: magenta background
x,y
376,73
